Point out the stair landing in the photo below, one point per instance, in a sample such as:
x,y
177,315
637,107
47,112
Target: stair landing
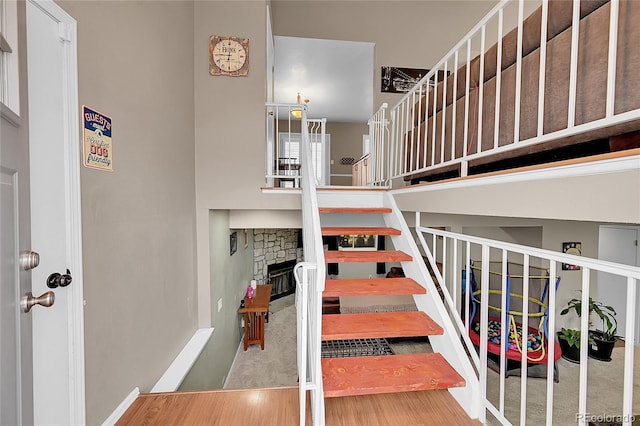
x,y
386,374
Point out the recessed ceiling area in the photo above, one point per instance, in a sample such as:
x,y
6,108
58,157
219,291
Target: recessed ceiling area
x,y
336,76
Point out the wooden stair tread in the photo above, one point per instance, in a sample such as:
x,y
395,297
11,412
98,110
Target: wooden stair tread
x,y
436,406
386,374
378,324
372,287
354,210
337,256
359,230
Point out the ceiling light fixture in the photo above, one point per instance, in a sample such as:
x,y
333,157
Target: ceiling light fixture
x,y
297,112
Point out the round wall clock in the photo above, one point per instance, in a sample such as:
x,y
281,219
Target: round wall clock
x,y
228,56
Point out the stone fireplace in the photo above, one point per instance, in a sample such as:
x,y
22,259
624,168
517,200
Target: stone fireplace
x,y
275,253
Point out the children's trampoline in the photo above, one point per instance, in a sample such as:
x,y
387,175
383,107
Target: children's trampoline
x,y
537,337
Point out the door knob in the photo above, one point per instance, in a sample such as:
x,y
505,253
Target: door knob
x,y
29,260
29,301
56,280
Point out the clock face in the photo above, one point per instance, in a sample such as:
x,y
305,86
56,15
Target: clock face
x,y
229,56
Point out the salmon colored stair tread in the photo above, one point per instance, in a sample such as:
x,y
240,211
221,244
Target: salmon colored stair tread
x,y
378,324
354,210
372,287
361,230
387,374
336,256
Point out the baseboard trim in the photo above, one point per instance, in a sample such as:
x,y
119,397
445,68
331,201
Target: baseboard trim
x,y
233,364
122,408
175,374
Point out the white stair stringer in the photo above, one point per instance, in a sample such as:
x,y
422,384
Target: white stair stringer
x,y
448,344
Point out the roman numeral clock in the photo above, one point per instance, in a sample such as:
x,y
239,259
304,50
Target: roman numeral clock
x,y
228,56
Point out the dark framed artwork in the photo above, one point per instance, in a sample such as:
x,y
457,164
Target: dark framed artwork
x,y
233,243
400,80
574,248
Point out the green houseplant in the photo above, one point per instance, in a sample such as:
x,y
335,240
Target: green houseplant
x,y
601,342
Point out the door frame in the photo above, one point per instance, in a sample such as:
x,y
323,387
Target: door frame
x,y
75,313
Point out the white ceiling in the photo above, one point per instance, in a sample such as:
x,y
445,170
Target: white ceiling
x,y
336,76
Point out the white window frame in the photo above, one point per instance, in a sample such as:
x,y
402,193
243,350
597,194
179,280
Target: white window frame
x,y
9,69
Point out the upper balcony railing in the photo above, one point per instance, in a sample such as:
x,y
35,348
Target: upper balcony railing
x,y
536,81
284,146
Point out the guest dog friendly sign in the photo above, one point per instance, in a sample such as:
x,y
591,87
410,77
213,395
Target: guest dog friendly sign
x,y
96,132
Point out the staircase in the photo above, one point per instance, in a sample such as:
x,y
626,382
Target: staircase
x,y
355,214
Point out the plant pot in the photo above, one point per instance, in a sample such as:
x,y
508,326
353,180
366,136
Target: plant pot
x,y
601,349
570,353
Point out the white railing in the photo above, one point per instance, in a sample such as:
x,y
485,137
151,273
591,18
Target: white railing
x,y
284,139
379,148
454,253
448,124
310,276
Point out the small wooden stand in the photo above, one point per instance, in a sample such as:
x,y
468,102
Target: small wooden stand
x,y
254,311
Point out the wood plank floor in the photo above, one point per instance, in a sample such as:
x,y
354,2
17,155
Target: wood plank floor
x,y
279,407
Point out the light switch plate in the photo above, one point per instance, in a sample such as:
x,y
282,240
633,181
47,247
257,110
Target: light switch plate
x,y
219,304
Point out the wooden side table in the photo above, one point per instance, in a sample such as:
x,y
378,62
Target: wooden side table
x,y
254,312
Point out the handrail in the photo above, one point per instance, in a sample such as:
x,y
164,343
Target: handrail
x,y
453,252
309,288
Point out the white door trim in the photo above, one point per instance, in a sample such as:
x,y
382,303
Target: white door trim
x,y
75,313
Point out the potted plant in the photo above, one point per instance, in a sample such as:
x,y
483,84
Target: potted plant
x,y
569,340
601,342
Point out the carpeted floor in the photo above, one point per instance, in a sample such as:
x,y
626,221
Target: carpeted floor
x,y
604,396
276,366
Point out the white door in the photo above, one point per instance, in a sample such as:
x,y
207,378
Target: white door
x,y
16,406
58,351
618,244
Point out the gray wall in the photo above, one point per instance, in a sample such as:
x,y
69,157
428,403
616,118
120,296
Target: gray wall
x,y
230,276
136,65
346,141
398,28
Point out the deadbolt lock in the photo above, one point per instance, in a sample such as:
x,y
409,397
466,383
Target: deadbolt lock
x,y
56,280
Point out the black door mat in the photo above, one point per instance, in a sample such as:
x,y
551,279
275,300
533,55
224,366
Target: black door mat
x,y
355,347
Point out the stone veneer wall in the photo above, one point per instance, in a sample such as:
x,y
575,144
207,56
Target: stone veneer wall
x,y
273,246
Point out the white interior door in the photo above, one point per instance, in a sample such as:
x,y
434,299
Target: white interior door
x,y
58,351
16,406
618,244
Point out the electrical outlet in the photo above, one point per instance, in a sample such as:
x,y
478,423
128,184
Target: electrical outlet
x,y
219,304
